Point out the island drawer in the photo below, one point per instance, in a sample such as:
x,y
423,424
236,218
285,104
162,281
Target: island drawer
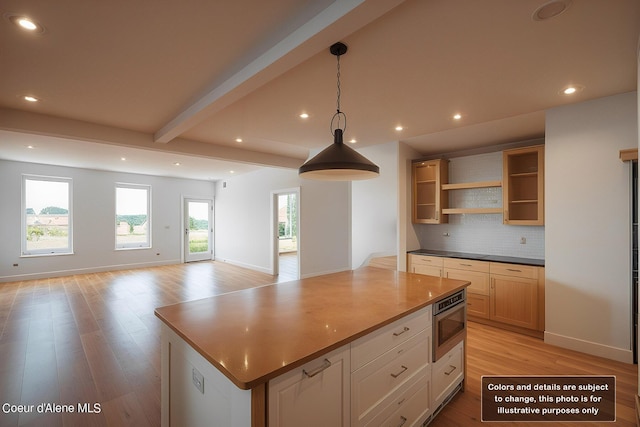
x,y
369,347
446,373
515,270
466,264
435,261
410,408
375,382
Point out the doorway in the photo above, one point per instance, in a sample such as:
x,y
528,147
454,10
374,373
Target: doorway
x,y
285,248
198,230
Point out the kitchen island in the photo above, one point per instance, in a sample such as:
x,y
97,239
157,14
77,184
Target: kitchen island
x,y
224,357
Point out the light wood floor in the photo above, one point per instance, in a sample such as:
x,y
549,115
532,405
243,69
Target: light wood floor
x,y
94,339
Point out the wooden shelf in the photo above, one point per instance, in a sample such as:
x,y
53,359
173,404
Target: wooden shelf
x,y
466,185
472,211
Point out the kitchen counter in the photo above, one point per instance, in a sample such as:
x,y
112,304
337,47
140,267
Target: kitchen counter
x,y
480,257
254,335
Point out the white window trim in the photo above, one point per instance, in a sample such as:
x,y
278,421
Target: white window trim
x,y
133,246
23,233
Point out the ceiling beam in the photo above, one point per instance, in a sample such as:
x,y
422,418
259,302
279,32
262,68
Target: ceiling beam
x,y
41,124
340,19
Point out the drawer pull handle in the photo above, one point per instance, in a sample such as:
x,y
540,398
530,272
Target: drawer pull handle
x,y
403,420
404,368
453,368
514,269
325,365
466,265
397,334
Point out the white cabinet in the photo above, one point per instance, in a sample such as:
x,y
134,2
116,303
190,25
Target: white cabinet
x,y
314,395
390,379
447,373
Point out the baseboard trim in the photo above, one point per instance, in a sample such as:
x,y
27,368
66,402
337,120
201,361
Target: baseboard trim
x,y
247,266
595,349
88,270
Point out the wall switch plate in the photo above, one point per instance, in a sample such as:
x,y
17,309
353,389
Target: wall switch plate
x,y
198,380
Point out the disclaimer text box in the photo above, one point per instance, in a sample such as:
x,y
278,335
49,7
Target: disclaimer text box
x,y
583,398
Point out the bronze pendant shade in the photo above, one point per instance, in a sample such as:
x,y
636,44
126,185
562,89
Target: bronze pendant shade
x,y
338,162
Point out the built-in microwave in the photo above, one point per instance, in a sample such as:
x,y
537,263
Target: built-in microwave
x,y
449,323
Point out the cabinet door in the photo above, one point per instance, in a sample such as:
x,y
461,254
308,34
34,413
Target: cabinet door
x,y
315,395
428,197
478,305
514,300
479,280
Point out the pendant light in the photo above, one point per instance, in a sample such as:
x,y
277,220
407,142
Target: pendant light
x,y
338,162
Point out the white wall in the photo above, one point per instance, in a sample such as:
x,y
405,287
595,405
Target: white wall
x,y
93,222
480,233
588,238
375,207
243,221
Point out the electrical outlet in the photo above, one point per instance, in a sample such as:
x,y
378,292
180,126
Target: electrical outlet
x,y
523,240
198,380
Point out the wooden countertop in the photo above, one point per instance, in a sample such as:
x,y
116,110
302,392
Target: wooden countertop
x,y
254,335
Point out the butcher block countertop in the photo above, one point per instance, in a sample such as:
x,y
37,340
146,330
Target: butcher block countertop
x,y
257,334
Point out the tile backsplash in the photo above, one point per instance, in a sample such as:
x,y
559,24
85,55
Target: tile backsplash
x,y
480,233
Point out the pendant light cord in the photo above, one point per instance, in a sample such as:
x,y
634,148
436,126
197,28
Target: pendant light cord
x,y
338,113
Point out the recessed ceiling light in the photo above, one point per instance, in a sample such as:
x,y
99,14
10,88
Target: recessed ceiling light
x,y
353,140
399,128
31,147
550,10
123,158
25,23
457,116
30,98
304,116
232,171
572,89
238,139
177,164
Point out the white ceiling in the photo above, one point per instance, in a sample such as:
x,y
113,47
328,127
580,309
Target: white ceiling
x,y
179,81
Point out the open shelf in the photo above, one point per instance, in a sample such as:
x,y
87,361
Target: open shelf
x,y
472,211
467,185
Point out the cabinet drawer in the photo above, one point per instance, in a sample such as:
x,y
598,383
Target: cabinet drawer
x,y
435,261
466,264
515,270
478,305
447,373
374,383
411,408
369,347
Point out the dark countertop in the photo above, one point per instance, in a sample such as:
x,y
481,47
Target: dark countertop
x,y
480,257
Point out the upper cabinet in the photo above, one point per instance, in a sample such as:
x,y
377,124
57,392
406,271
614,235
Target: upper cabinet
x,y
428,196
523,186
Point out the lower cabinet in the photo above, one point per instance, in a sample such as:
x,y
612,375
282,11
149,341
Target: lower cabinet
x,y
429,265
391,372
447,374
514,295
314,395
500,294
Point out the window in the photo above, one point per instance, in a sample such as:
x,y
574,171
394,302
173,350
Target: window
x,y
133,216
46,215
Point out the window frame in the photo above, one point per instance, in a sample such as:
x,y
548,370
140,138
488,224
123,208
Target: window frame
x,y
136,245
68,250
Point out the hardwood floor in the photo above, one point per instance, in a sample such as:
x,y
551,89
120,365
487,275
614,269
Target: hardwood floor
x,y
93,339
493,351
